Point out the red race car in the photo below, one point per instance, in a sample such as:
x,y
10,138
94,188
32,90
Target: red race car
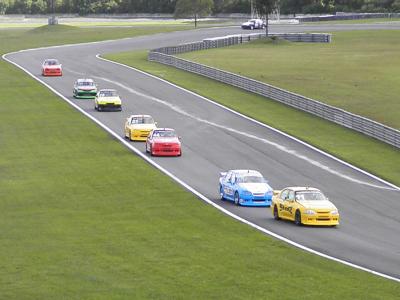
x,y
163,142
51,67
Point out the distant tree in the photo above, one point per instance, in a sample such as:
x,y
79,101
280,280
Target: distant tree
x,y
38,7
193,8
294,6
103,6
4,5
348,5
83,7
396,6
265,8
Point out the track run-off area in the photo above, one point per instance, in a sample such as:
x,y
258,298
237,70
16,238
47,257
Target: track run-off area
x,y
216,139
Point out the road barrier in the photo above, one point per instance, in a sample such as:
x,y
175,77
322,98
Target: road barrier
x,y
339,116
340,17
243,38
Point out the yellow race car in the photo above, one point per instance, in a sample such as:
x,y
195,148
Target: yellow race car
x,y
107,99
138,127
304,205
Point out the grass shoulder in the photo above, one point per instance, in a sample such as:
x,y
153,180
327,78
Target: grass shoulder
x,y
23,38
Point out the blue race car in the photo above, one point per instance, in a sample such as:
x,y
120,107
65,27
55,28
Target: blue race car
x,y
245,187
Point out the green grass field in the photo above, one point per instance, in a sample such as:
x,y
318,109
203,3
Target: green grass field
x,y
84,218
21,38
120,23
358,71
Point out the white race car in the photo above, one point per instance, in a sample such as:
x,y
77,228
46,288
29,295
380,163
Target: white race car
x,y
254,24
85,89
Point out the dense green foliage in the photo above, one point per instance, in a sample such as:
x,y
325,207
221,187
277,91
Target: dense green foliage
x,y
168,6
193,9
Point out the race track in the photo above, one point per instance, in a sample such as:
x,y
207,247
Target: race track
x,y
216,139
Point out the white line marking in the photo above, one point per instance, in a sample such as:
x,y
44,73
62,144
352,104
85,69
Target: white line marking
x,y
188,187
242,133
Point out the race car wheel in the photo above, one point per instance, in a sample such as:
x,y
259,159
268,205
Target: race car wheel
x,y
297,218
276,213
251,27
236,198
130,135
221,192
99,108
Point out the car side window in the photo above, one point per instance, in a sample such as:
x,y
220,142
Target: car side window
x,y
228,176
284,194
291,195
233,178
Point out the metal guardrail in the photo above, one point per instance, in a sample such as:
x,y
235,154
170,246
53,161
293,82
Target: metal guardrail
x,y
339,116
241,38
341,17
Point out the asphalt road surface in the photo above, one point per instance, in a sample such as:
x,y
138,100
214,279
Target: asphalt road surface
x,y
215,139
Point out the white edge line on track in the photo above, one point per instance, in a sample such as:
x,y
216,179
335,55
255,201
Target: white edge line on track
x,y
257,122
185,185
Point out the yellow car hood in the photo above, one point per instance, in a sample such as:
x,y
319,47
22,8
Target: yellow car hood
x,y
142,126
321,204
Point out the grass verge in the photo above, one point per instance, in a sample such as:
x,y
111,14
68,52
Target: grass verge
x,y
21,38
76,225
119,23
364,152
358,71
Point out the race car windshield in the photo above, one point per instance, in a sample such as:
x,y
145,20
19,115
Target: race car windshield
x,y
251,179
164,134
108,94
51,62
310,196
85,83
142,120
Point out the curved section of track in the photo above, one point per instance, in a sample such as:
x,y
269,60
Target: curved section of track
x,y
216,139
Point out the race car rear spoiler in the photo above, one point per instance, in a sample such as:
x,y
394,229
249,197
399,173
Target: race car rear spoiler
x,y
222,174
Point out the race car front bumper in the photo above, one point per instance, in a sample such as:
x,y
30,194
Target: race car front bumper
x,y
255,201
110,107
320,220
85,94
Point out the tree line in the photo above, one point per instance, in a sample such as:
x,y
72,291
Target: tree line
x,y
84,7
